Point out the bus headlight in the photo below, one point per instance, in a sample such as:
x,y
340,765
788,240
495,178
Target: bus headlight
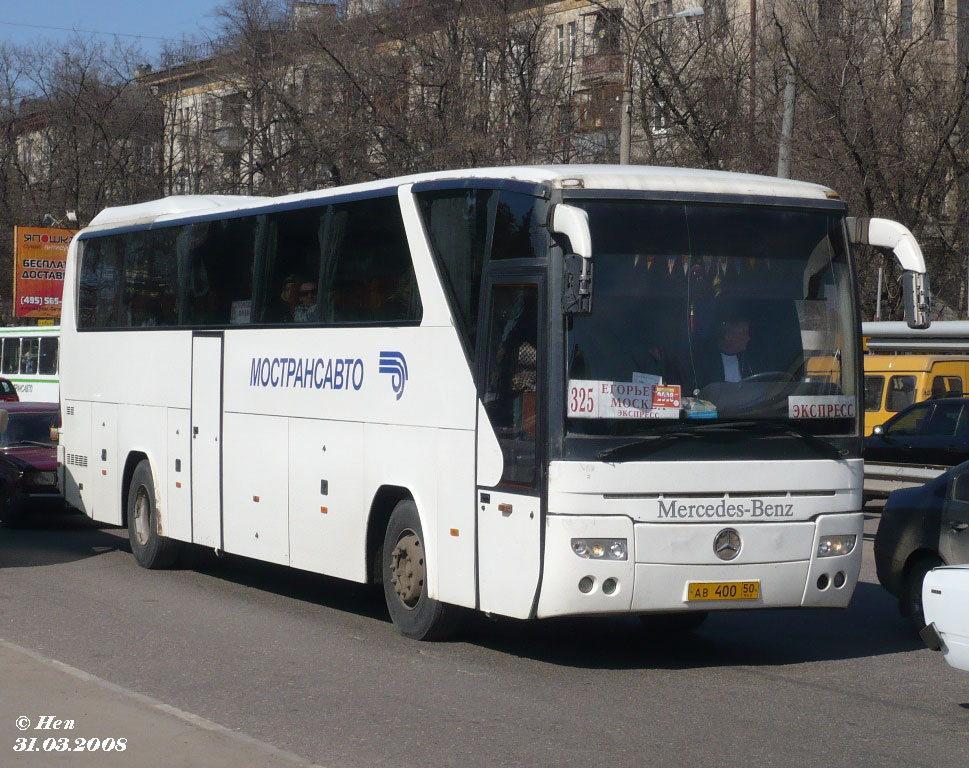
x,y
830,546
600,549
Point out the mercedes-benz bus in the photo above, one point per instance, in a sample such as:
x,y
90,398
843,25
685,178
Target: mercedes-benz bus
x,y
507,389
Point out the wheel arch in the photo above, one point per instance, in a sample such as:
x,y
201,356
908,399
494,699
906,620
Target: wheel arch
x,y
132,460
382,505
922,553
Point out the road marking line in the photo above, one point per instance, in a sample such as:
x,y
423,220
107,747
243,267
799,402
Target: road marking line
x,y
181,714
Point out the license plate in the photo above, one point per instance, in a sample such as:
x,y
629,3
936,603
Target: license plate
x,y
722,590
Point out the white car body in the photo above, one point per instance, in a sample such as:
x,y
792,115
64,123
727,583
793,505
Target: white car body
x,y
945,600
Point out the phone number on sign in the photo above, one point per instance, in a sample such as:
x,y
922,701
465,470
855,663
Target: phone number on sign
x,y
40,301
64,744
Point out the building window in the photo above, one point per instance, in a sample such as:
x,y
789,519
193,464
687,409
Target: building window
x,y
938,19
560,52
829,17
905,20
714,17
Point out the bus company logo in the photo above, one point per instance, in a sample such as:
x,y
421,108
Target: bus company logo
x,y
394,364
51,239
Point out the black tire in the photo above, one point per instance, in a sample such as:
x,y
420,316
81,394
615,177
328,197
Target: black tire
x,y
11,508
405,587
910,601
673,623
151,549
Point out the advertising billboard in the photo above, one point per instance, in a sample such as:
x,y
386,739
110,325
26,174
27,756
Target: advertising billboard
x,y
39,259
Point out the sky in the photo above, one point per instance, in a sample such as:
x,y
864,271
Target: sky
x,y
26,21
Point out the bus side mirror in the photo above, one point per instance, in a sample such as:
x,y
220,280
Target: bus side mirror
x,y
915,293
573,222
890,235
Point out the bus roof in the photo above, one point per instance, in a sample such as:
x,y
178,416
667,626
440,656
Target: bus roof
x,y
590,177
911,363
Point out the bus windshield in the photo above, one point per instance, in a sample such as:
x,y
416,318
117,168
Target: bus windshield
x,y
713,312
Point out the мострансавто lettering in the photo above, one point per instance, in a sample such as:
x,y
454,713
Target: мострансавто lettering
x,y
307,373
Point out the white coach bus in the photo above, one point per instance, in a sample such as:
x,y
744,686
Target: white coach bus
x,y
28,358
505,389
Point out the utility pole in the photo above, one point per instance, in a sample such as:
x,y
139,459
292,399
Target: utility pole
x,y
787,124
753,82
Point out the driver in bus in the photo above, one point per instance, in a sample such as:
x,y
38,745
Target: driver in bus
x,y
725,359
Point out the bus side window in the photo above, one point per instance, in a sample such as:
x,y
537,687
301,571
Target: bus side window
x,y
48,356
368,272
29,355
11,356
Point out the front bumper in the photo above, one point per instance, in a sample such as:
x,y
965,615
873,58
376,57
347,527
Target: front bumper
x,y
664,557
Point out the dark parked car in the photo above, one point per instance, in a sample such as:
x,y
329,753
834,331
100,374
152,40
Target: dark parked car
x,y
916,445
28,460
922,528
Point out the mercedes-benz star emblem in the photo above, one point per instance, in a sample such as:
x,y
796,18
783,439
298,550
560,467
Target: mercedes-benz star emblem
x,y
726,544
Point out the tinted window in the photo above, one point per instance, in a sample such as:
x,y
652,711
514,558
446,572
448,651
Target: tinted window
x,y
6,387
520,231
216,261
944,419
901,393
458,225
102,262
150,291
873,392
367,271
292,265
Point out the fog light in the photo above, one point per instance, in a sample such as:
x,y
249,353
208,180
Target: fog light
x,y
609,586
600,549
823,582
586,583
830,546
840,579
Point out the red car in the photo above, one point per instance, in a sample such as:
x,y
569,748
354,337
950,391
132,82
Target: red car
x,y
8,392
28,459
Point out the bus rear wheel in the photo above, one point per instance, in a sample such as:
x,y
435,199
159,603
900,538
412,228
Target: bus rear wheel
x,y
404,566
150,548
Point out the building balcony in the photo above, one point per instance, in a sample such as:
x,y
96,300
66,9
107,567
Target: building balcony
x,y
602,67
227,138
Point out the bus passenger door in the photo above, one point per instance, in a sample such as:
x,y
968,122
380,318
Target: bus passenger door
x,y
207,439
509,514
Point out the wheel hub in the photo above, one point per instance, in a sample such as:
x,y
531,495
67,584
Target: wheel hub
x,y
407,568
142,516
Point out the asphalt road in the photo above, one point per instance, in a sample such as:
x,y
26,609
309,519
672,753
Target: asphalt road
x,y
312,665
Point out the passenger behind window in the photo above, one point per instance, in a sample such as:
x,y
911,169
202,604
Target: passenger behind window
x,y
305,310
283,309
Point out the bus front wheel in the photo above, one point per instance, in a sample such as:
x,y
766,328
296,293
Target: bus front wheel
x,y
150,548
404,565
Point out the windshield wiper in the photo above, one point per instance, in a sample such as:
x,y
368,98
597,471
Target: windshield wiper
x,y
644,447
